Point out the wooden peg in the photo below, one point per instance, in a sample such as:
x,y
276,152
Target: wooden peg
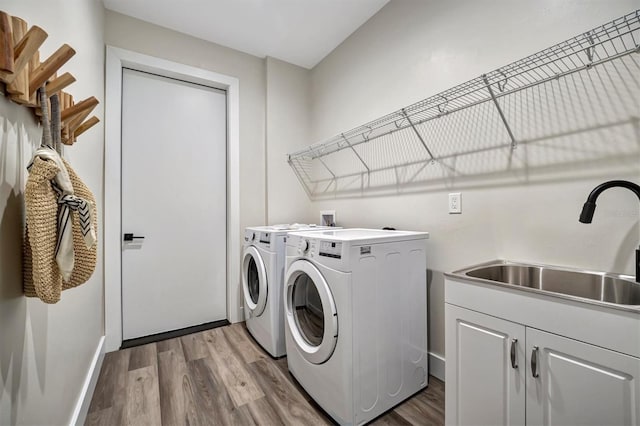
x,y
86,126
78,108
59,83
41,74
6,44
75,121
63,100
26,52
68,101
34,63
19,88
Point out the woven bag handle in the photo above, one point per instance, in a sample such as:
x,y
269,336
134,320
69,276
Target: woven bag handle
x,y
46,126
55,123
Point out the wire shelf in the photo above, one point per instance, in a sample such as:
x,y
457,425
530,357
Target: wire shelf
x,y
549,102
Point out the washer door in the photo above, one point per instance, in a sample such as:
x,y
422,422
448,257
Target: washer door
x,y
254,281
311,312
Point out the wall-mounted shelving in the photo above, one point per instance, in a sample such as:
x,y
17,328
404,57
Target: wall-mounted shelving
x,y
23,74
576,101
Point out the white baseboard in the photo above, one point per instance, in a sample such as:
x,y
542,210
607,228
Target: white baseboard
x,y
436,366
84,399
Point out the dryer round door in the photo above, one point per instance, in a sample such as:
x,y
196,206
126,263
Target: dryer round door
x,y
311,312
254,281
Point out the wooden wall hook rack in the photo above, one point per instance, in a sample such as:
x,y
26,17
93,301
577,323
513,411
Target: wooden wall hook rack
x,y
22,74
6,44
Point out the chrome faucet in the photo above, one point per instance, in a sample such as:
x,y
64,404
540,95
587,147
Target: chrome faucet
x,y
586,216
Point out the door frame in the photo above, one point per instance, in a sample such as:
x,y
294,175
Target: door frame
x,y
116,60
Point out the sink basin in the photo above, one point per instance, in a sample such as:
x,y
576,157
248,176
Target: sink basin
x,y
593,286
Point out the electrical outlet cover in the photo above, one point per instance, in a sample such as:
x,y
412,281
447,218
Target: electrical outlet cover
x,y
455,203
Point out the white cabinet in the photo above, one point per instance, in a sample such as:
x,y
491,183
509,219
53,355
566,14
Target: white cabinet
x,y
555,380
579,384
484,369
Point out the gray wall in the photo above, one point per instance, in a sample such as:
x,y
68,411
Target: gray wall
x,y
46,350
412,49
288,103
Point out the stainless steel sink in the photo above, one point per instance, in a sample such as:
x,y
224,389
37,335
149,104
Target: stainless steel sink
x,y
593,286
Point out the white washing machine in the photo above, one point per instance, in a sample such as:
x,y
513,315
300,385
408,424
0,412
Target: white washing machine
x,y
263,260
356,318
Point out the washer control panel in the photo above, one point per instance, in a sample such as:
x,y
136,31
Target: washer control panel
x,y
315,247
265,237
330,249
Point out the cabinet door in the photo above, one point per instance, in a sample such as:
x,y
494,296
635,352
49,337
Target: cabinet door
x,y
483,387
579,384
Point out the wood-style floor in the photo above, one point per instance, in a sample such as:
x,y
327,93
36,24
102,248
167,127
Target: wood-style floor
x,y
222,377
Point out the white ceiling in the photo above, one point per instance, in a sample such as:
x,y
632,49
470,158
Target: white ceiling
x,y
301,32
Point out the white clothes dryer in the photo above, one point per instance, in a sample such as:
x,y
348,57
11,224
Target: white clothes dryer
x,y
263,259
356,318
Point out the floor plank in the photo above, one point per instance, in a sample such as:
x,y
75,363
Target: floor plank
x,y
112,381
143,356
194,346
143,398
213,400
429,403
391,418
263,413
170,345
243,343
172,379
105,417
231,370
287,401
222,376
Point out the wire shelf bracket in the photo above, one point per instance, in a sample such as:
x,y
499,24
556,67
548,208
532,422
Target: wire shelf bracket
x,y
495,101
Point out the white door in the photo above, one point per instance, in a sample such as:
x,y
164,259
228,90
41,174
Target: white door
x,y
484,370
173,195
574,383
310,312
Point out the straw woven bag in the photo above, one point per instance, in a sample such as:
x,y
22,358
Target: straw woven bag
x,y
41,274
41,277
85,258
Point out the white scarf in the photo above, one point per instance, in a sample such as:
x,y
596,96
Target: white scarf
x,y
62,184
